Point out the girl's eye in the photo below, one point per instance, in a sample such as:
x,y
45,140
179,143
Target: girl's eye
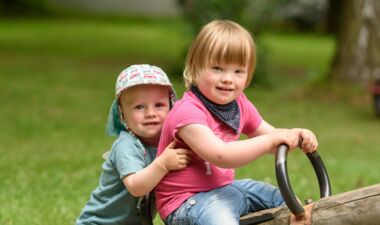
x,y
239,71
217,68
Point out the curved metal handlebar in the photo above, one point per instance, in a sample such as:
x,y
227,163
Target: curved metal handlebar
x,y
283,180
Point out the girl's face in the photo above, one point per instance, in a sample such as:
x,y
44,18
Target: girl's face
x,y
222,83
144,109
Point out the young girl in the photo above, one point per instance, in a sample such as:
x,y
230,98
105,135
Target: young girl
x,y
209,120
144,96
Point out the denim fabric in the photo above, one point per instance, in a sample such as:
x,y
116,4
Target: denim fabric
x,y
226,204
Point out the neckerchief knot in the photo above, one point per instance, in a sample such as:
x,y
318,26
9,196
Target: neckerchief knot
x,y
228,113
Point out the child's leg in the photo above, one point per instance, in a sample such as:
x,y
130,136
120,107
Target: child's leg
x,y
258,195
219,206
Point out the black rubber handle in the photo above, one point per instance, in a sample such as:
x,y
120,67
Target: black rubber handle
x,y
283,179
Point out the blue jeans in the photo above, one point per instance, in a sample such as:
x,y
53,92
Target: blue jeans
x,y
226,204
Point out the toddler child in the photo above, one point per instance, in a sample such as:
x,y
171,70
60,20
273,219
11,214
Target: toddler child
x,y
144,96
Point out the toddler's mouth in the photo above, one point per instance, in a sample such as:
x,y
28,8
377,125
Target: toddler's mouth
x,y
151,123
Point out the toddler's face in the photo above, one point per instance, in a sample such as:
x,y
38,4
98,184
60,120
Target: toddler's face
x,y
222,83
144,109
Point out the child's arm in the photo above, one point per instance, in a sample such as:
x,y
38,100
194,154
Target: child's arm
x,y
237,153
143,181
308,141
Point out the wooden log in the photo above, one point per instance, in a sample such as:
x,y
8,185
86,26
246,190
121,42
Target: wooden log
x,y
358,207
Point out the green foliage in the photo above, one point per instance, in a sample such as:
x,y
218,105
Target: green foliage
x,y
200,12
23,7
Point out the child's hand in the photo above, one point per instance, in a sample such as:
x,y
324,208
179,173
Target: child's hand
x,y
308,141
175,158
290,137
303,138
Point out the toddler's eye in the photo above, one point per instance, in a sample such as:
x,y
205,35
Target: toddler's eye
x,y
159,105
139,107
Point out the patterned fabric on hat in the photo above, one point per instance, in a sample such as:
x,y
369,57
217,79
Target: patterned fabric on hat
x,y
229,113
132,76
140,74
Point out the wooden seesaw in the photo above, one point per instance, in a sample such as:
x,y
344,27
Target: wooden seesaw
x,y
358,207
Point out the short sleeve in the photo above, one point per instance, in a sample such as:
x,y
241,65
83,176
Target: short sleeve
x,y
127,157
250,116
189,112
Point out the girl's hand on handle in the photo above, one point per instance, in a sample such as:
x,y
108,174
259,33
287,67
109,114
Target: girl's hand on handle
x,y
303,138
308,141
174,158
290,137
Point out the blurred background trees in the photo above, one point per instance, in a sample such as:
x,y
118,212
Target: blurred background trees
x,y
354,24
17,8
357,55
258,16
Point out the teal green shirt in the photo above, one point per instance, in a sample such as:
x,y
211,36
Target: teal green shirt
x,y
110,202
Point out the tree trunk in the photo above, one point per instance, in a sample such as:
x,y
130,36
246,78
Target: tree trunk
x,y
334,15
357,56
359,207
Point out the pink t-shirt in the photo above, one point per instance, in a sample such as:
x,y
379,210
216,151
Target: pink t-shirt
x,y
199,175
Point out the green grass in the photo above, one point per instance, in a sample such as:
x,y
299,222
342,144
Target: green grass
x,y
56,85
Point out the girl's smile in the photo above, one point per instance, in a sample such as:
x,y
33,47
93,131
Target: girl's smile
x,y
223,83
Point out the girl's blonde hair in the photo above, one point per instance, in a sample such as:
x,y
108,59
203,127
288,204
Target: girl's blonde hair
x,y
220,41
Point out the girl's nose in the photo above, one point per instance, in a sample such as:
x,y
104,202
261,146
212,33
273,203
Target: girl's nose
x,y
227,78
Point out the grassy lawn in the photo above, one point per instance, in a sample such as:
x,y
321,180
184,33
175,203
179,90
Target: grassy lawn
x,y
56,85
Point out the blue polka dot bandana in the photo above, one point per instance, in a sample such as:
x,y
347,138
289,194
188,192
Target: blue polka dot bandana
x,y
229,113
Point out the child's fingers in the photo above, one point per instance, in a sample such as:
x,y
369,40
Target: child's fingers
x,y
309,143
310,147
185,161
185,157
182,162
182,166
172,144
183,151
